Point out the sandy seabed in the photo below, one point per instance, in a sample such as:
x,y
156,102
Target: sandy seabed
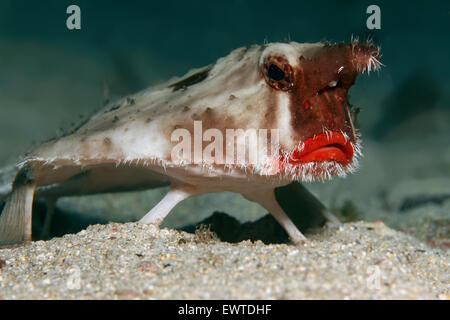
x,y
133,261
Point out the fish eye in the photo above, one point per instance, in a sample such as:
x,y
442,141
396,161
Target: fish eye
x,y
275,73
278,73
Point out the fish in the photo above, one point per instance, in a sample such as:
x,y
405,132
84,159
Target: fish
x,y
262,117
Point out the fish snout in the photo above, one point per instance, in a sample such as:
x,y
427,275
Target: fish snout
x,y
365,57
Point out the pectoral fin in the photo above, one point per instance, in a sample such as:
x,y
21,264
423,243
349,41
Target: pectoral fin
x,y
266,198
15,219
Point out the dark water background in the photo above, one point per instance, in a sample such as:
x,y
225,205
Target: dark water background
x,y
136,43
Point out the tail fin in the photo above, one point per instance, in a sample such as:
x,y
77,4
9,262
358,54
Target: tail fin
x,y
15,220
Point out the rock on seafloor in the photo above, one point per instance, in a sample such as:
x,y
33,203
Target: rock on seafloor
x,y
357,260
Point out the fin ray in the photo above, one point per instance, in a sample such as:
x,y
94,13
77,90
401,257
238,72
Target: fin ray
x,y
15,220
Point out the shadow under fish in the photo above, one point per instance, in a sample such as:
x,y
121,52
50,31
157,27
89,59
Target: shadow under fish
x,y
307,216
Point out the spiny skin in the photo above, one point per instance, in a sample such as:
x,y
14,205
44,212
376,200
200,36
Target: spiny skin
x,y
128,144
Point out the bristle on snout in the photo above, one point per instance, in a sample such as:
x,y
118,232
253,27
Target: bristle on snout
x,y
365,56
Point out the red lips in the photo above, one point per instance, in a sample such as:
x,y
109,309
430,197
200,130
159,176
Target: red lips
x,y
331,146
